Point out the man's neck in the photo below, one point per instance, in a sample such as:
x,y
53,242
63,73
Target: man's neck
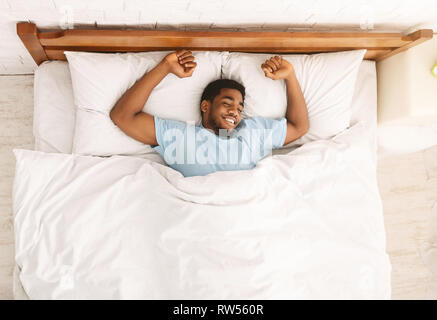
x,y
206,125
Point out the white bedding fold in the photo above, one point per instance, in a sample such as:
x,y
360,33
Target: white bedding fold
x,y
303,225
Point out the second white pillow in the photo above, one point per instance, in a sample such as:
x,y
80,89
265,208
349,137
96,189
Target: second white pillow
x,y
327,81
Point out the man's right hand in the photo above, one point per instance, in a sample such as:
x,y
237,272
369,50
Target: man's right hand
x,y
180,63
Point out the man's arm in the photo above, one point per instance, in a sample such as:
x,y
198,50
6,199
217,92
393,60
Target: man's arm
x,y
127,114
277,68
297,113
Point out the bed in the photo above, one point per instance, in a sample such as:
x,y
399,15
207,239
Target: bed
x,y
318,235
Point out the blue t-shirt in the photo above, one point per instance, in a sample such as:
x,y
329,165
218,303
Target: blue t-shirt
x,y
196,151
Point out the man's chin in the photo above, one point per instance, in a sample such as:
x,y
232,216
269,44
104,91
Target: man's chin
x,y
228,128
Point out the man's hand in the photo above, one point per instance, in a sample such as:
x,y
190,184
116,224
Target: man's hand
x,y
181,63
277,68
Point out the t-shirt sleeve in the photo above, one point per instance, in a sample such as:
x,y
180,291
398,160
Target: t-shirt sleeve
x,y
167,130
274,129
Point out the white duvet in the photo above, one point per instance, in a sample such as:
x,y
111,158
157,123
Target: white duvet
x,y
302,225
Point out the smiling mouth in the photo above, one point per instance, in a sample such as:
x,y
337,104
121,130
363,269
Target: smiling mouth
x,y
230,120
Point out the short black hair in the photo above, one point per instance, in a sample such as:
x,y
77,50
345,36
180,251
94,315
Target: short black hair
x,y
213,89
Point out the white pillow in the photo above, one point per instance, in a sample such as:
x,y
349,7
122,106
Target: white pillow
x,y
327,81
54,111
100,79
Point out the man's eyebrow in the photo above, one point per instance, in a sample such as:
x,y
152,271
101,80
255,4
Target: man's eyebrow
x,y
230,98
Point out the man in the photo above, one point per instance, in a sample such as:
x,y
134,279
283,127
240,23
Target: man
x,y
223,141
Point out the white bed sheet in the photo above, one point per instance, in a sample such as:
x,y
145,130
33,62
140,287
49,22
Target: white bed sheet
x,y
364,111
304,225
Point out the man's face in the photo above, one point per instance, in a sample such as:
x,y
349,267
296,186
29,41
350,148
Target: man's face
x,y
224,112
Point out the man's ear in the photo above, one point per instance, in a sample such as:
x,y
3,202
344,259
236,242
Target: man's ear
x,y
204,106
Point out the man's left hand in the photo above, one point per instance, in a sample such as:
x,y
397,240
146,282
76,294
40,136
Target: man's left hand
x,y
277,68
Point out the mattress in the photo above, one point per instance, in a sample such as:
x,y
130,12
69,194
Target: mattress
x,y
54,119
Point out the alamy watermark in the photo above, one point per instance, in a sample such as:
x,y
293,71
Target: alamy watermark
x,y
191,146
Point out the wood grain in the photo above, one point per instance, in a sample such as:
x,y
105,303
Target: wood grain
x,y
415,38
225,40
58,54
51,45
28,34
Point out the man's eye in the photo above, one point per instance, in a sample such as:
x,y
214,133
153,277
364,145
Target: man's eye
x,y
226,104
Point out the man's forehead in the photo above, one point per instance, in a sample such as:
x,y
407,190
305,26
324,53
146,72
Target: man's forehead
x,y
231,94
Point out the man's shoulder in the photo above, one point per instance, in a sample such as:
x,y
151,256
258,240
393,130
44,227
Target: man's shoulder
x,y
250,121
170,123
260,122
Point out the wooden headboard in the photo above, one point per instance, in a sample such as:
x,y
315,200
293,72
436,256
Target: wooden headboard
x,y
51,45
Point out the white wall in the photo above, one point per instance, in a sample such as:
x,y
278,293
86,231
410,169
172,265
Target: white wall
x,y
236,15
